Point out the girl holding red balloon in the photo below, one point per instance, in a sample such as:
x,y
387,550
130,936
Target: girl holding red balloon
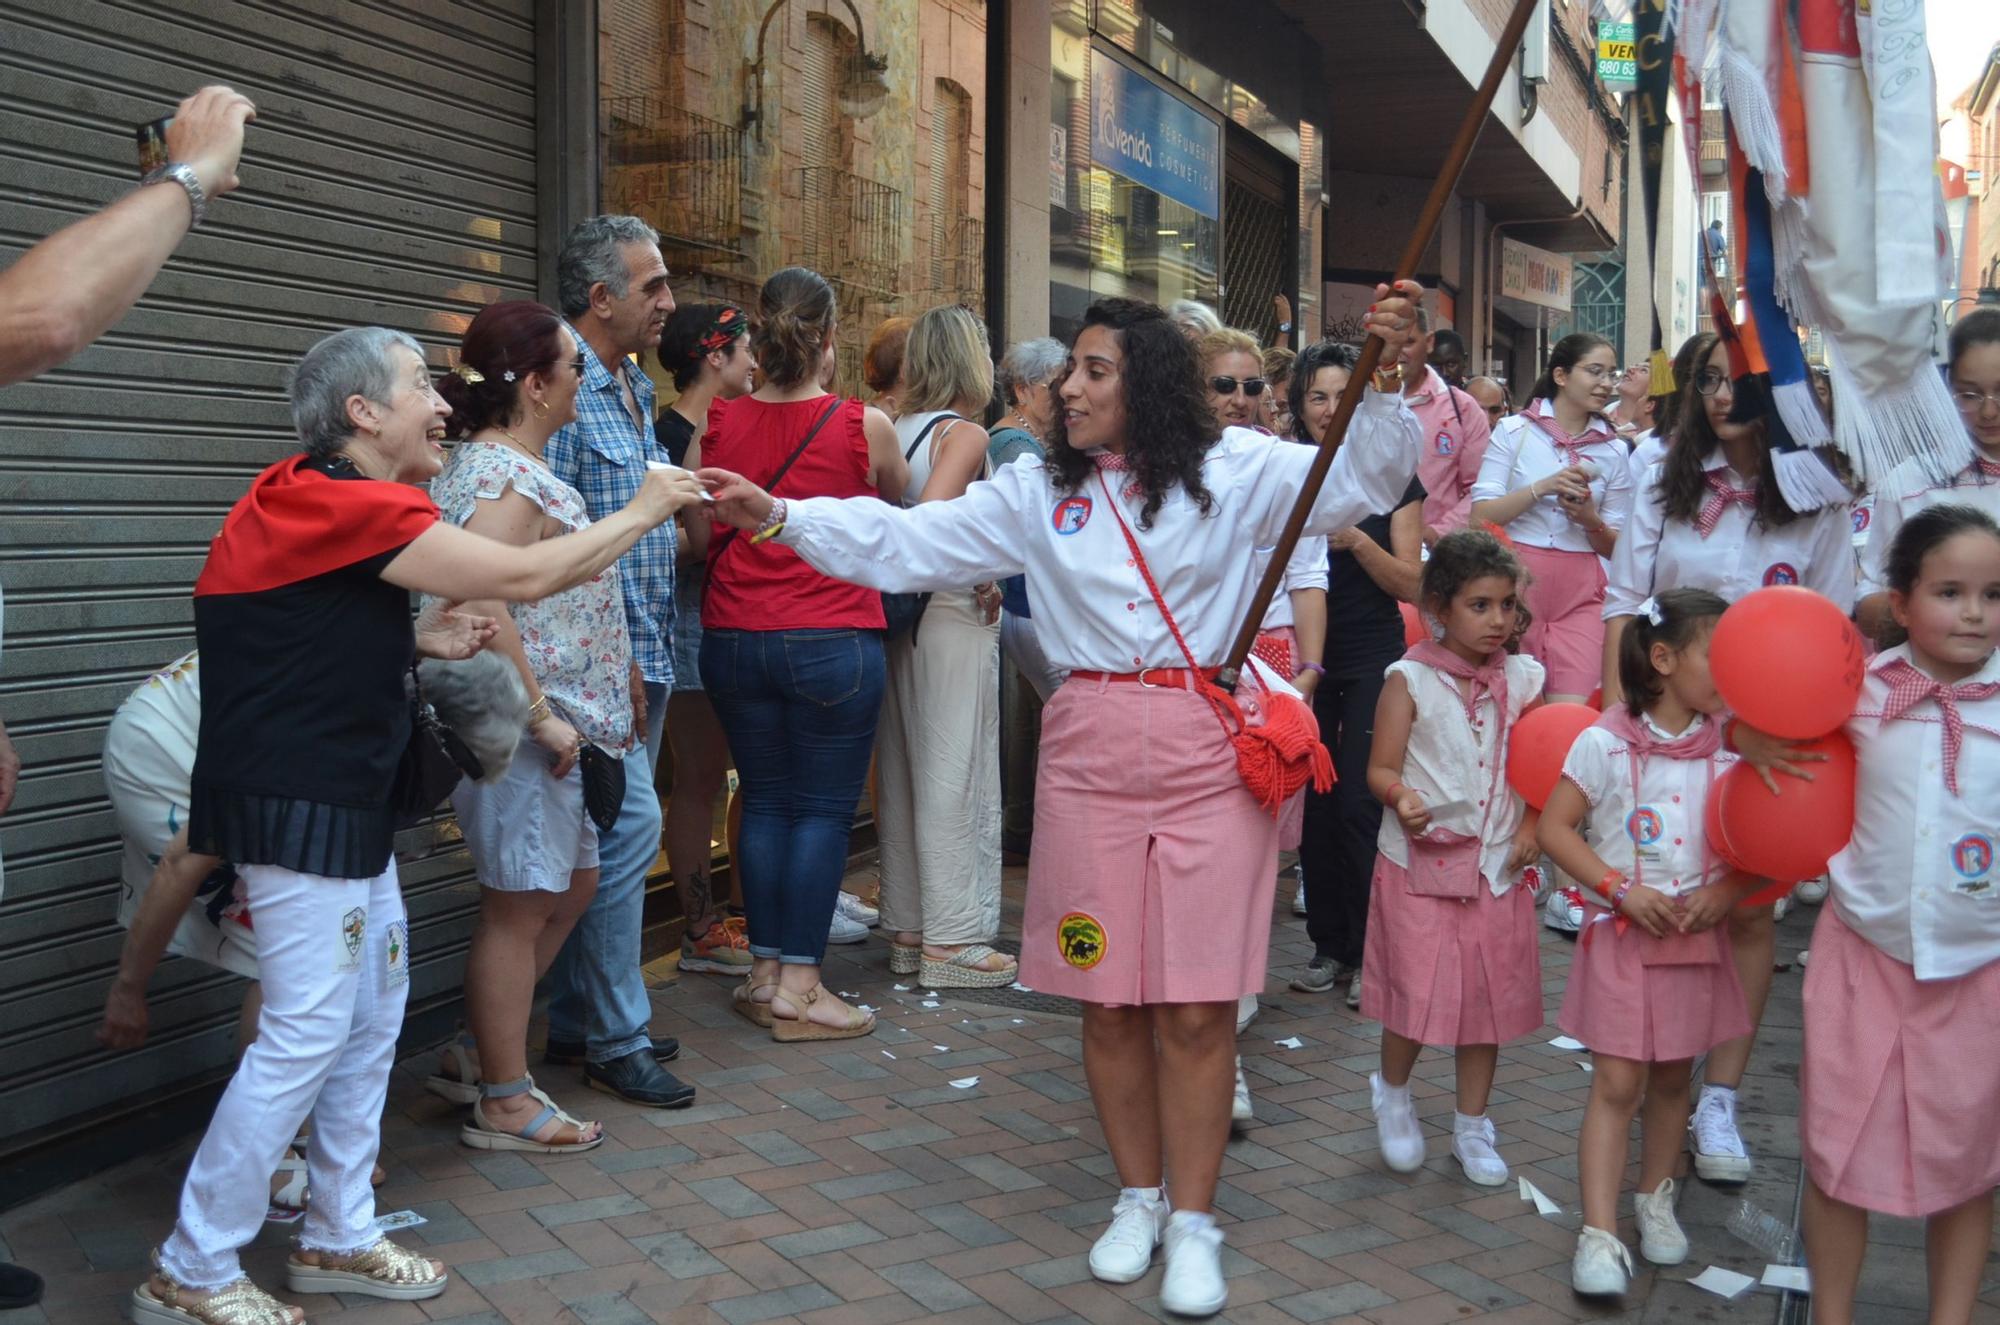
x,y
1451,951
1652,984
1901,1073
1710,516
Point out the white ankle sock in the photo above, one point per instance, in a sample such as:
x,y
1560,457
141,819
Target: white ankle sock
x,y
1150,1195
1466,1122
1194,1221
1726,1092
1390,1092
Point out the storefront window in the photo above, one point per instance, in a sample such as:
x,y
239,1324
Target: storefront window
x,y
1135,186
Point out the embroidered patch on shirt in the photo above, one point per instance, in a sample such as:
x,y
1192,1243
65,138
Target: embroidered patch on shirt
x,y
353,929
399,953
1444,443
1972,857
1082,940
1643,825
1071,514
1782,573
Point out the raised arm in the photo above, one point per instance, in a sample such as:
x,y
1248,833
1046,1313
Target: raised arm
x,y
1369,472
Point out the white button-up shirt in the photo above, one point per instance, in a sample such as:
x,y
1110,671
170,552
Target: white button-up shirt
x,y
1449,761
1306,570
1909,489
1092,607
1648,449
1520,453
1657,837
1655,553
1917,879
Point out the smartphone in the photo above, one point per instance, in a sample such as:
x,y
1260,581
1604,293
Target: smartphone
x,y
151,140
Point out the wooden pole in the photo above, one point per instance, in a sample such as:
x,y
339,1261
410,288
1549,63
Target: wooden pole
x,y
1371,350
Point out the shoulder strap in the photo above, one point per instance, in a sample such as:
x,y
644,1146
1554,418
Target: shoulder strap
x,y
925,431
729,536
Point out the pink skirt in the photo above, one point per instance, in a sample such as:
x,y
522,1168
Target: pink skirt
x,y
1153,868
1900,1083
1618,1005
1444,971
1565,595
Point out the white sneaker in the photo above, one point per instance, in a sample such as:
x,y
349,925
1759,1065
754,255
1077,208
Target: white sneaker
x,y
1472,1147
1193,1285
1297,874
1719,1155
1246,1012
1782,909
1660,1238
1564,911
1124,1252
1239,1106
1354,990
1813,891
1601,1267
1396,1128
847,904
844,930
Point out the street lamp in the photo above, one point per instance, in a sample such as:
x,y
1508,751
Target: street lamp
x,y
861,91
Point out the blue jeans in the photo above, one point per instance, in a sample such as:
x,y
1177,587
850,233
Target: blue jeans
x,y
595,981
799,708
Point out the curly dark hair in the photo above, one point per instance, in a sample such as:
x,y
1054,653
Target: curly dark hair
x,y
1683,483
1460,558
1169,426
1320,354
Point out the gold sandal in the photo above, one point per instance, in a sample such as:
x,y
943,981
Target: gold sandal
x,y
749,1007
382,1270
237,1303
789,1030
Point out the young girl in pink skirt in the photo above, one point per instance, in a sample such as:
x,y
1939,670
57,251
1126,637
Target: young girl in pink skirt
x,y
1652,984
1451,950
1901,1077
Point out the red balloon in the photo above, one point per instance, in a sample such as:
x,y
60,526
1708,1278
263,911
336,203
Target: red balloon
x,y
1719,843
1596,699
1414,630
1788,662
1538,744
1789,837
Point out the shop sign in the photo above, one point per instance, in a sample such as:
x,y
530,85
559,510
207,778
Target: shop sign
x,y
1617,57
1059,166
1534,276
1153,138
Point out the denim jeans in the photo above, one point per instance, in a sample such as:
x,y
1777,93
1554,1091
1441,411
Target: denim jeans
x,y
597,993
799,708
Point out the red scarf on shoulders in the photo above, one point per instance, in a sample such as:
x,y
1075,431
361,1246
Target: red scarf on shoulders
x,y
298,521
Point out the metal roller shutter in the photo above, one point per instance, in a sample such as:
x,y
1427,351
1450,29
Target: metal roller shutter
x,y
390,178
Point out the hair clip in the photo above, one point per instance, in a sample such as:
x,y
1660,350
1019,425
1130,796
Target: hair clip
x,y
507,376
1650,609
467,374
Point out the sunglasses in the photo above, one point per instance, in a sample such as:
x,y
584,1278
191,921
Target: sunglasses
x,y
1253,387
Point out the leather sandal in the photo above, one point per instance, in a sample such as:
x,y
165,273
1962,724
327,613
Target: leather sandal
x,y
238,1303
461,1060
481,1134
751,1008
788,1030
381,1270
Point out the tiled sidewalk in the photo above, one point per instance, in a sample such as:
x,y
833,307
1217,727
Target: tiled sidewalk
x,y
853,1182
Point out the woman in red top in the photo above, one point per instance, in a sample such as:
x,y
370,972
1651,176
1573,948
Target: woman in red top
x,y
791,659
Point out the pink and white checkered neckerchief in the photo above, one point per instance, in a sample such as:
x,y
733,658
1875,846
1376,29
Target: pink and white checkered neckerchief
x,y
1909,687
1114,462
1542,415
1986,468
1722,494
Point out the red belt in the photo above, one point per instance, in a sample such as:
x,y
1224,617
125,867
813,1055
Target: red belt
x,y
1173,678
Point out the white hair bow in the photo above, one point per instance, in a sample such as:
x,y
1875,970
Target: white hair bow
x,y
1650,609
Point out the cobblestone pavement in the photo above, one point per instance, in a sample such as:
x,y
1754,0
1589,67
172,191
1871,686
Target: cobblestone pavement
x,y
865,1182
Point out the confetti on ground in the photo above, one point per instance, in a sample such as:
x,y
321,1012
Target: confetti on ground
x,y
966,1083
942,1048
865,1007
1290,1042
399,1219
1723,1283
887,1054
1792,1278
279,1214
1020,988
1565,1042
902,989
1543,1205
930,1003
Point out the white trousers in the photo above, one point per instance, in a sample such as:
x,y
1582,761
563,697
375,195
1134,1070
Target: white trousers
x,y
334,959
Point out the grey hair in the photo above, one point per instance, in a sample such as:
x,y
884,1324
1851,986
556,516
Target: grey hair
x,y
592,254
1030,363
482,700
1193,317
354,362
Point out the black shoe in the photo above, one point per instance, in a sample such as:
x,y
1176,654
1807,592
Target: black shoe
x,y
568,1053
638,1077
18,1287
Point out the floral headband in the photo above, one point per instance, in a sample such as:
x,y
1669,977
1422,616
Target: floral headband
x,y
729,323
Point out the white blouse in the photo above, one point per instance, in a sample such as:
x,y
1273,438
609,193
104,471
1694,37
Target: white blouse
x,y
1661,829
1520,454
1449,760
1917,879
1656,553
1909,488
1092,608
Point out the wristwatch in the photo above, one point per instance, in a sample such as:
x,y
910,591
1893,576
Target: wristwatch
x,y
183,174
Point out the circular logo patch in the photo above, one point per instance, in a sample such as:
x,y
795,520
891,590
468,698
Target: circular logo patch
x,y
1444,443
1071,514
1081,939
1972,855
1864,515
1782,573
1643,825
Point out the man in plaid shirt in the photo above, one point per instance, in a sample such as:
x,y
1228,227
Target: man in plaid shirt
x,y
612,284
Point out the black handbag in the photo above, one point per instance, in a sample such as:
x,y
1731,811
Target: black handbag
x,y
433,761
603,784
902,613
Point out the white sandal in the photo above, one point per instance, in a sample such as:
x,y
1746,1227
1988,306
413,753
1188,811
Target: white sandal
x,y
481,1134
291,1194
462,1054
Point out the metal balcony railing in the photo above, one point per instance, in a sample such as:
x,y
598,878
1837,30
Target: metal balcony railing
x,y
680,172
958,266
848,228
1714,148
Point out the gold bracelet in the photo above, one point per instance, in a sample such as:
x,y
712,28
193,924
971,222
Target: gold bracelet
x,y
538,710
